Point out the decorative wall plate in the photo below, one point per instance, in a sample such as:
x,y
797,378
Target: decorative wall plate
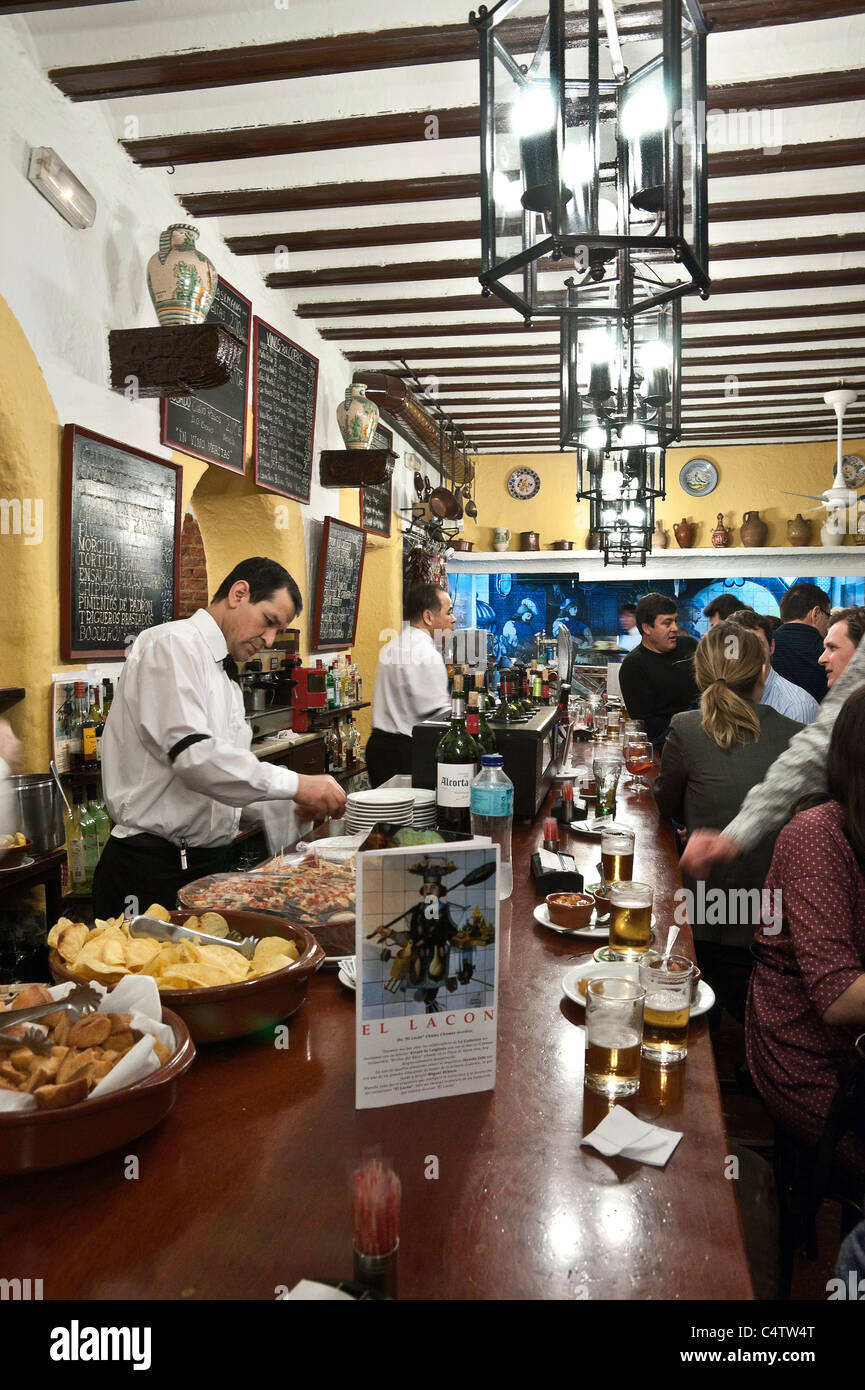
x,y
698,477
853,470
524,483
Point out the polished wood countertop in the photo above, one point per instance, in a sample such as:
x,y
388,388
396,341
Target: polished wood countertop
x,y
243,1188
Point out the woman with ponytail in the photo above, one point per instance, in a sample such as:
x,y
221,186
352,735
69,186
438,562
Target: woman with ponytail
x,y
712,758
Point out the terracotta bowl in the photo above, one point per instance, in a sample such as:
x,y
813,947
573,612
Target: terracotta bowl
x,y
572,910
602,903
11,858
231,1011
33,1140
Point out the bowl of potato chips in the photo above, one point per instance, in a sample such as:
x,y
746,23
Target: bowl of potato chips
x,y
218,992
69,1124
14,849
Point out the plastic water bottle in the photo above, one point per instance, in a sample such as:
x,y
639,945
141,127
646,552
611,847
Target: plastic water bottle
x,y
492,811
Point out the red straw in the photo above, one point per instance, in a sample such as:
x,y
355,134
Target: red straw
x,y
375,1196
551,830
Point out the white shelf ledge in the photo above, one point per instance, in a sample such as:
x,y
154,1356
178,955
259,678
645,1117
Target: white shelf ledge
x,y
737,562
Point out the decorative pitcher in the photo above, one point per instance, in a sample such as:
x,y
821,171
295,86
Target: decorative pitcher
x,y
501,537
799,530
660,539
720,535
753,530
181,280
357,418
684,532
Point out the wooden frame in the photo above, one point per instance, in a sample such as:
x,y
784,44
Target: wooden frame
x,y
315,643
163,412
71,433
259,323
373,530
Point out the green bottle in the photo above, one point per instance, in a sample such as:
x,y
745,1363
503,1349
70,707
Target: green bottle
x,y
485,736
457,758
103,824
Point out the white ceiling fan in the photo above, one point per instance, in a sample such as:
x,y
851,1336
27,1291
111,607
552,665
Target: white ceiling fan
x,y
840,500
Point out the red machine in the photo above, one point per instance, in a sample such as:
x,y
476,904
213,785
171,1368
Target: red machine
x,y
310,692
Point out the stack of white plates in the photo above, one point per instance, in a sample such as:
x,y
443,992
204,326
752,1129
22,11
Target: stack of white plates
x,y
424,808
365,809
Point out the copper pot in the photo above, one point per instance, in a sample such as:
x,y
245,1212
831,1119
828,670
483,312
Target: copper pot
x,y
530,540
562,545
461,543
446,504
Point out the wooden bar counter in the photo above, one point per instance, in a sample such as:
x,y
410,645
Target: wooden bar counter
x,y
243,1188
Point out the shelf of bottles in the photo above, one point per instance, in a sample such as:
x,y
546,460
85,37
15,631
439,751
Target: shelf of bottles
x,y
338,712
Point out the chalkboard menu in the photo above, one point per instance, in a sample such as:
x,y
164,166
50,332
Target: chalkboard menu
x,y
375,498
285,380
120,544
340,570
212,424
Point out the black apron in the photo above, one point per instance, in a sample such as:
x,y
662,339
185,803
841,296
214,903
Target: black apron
x,y
139,870
386,756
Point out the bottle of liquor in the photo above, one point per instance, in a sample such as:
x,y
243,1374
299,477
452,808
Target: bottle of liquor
x,y
63,727
352,739
76,727
484,734
545,686
107,697
351,685
330,688
89,735
457,757
91,842
76,868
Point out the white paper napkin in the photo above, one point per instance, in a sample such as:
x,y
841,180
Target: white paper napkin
x,y
309,1291
621,1133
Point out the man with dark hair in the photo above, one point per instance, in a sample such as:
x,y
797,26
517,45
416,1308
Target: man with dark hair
x,y
845,633
722,607
176,763
805,613
411,683
779,694
629,635
657,678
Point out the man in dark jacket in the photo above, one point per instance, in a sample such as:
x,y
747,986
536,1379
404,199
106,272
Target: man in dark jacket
x,y
657,677
805,611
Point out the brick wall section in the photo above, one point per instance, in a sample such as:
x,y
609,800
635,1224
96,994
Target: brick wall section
x,y
193,569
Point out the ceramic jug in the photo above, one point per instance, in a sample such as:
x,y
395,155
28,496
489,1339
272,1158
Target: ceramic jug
x,y
753,530
660,539
720,535
357,418
684,532
181,280
799,530
501,537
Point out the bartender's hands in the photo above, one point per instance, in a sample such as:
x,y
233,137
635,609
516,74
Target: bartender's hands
x,y
705,848
11,748
319,797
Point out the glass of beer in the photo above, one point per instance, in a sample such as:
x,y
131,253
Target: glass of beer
x,y
667,983
617,854
614,1029
639,756
630,919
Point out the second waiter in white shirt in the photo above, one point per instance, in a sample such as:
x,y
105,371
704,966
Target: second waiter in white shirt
x,y
177,769
411,683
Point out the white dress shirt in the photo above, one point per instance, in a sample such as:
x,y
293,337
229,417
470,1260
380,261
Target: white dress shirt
x,y
173,686
630,640
787,698
411,682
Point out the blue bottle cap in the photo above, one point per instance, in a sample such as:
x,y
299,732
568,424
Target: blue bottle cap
x,y
492,760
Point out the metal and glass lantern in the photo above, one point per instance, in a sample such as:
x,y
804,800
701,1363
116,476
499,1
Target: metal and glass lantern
x,y
593,167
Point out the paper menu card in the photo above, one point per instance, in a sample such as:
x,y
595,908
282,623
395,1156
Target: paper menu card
x,y
427,972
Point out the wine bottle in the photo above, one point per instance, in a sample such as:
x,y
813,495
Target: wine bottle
x,y
457,758
486,737
75,850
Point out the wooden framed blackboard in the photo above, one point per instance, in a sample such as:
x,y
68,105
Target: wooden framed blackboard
x,y
375,498
212,424
119,544
337,592
284,389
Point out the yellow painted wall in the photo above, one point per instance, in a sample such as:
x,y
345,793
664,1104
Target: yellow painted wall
x,y
380,610
747,477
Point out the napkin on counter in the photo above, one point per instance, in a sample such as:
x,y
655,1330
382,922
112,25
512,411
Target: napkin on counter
x,y
621,1134
309,1291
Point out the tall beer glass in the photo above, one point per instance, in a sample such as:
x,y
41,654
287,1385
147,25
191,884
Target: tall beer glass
x,y
617,854
614,1029
630,919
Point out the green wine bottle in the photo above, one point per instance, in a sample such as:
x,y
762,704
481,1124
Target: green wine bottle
x,y
457,758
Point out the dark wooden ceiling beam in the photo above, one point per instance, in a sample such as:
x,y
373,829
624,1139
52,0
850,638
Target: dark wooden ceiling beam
x,y
520,329
440,354
760,209
803,89
340,53
823,154
378,192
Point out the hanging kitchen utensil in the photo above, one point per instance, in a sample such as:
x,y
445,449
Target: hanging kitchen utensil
x,y
419,481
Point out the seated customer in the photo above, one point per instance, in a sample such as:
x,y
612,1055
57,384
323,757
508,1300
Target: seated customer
x,y
805,613
657,678
779,694
841,641
712,758
807,1000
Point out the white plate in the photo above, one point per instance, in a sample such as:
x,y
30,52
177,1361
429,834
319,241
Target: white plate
x,y
594,828
378,797
23,865
630,970
592,932
346,980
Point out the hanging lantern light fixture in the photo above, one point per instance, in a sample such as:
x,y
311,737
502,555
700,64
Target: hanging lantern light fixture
x,y
593,166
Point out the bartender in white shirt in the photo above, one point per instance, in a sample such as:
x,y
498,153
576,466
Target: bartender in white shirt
x,y
411,683
176,762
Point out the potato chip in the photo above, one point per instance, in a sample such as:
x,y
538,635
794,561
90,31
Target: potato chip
x,y
157,910
213,924
70,940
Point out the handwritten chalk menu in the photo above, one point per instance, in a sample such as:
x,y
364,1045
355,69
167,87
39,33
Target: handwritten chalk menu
x,y
285,380
340,570
120,544
212,424
375,498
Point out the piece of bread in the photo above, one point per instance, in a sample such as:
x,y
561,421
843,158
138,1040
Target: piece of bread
x,y
56,1097
90,1031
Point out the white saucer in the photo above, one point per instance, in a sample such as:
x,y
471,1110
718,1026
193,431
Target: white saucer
x,y
593,969
12,867
593,932
346,980
594,828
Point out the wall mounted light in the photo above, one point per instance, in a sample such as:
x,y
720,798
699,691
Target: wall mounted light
x,y
56,182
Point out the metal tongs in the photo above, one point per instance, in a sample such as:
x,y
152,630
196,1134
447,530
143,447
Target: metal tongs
x,y
168,931
83,999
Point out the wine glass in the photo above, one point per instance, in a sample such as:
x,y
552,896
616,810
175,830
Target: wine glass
x,y
639,757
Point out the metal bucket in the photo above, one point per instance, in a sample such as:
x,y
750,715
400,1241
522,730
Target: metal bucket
x,y
39,811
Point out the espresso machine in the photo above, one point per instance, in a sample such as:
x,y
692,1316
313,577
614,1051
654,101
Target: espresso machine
x,y
309,693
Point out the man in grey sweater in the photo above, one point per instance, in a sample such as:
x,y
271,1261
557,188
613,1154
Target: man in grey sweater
x,y
800,770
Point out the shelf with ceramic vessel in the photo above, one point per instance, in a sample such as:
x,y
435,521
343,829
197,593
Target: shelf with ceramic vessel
x,y
735,562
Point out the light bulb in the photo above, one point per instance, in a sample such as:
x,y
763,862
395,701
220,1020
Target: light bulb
x,y
633,436
533,111
611,486
644,111
577,167
653,355
595,437
635,516
597,346
506,192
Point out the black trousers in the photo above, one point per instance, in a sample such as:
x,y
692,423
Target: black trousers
x,y
386,756
139,870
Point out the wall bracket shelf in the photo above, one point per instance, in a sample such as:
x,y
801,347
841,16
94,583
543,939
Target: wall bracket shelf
x,y
355,467
177,361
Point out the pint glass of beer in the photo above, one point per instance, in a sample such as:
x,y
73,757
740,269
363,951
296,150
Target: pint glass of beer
x,y
617,854
630,918
667,983
614,1028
